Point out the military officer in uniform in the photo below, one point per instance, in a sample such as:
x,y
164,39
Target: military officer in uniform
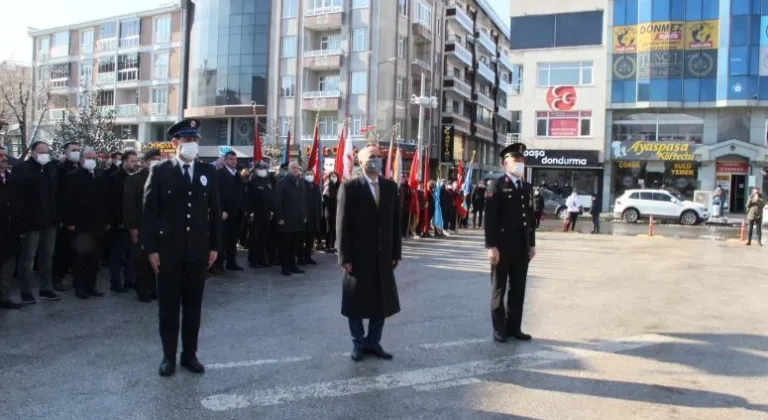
x,y
181,234
510,237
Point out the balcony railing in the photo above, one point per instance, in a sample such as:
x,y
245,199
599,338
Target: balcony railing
x,y
323,137
129,41
424,64
321,94
505,113
106,44
485,71
59,83
103,78
107,109
459,85
127,110
459,49
485,100
158,109
323,53
487,43
462,17
323,11
504,60
504,86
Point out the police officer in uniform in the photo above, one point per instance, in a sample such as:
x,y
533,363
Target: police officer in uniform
x,y
259,204
181,233
510,237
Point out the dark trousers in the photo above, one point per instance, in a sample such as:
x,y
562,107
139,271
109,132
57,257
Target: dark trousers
x,y
509,276
538,215
146,282
357,329
308,244
259,238
475,214
756,223
62,255
230,235
572,217
405,222
121,270
274,242
180,286
330,233
596,223
85,267
289,247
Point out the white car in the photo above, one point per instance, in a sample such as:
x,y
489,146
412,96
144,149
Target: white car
x,y
636,204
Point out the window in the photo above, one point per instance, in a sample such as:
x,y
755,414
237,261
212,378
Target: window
x,y
328,125
105,98
401,46
360,3
59,75
360,39
563,124
287,86
322,4
129,33
557,30
424,13
158,101
43,48
330,42
160,67
658,126
399,123
356,125
106,65
290,8
289,47
402,7
328,83
127,67
359,82
400,88
161,32
107,36
60,44
566,73
86,41
86,74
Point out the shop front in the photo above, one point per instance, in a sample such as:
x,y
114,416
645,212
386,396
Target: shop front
x,y
563,170
654,165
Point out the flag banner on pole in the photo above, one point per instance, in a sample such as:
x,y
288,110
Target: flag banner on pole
x,y
338,165
313,155
287,152
437,218
349,157
258,155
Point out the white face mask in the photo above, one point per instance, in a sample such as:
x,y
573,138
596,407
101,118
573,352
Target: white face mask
x,y
43,158
189,150
118,162
518,169
89,164
261,172
153,163
334,179
309,178
73,156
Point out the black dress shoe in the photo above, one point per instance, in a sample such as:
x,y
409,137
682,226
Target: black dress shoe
x,y
521,336
499,338
192,364
82,295
167,367
378,352
357,354
297,270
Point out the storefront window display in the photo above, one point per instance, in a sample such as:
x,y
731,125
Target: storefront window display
x,y
658,126
677,177
562,181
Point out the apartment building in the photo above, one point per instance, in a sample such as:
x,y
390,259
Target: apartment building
x,y
131,65
476,80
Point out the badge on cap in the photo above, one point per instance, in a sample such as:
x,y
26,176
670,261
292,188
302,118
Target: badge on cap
x,y
203,180
192,124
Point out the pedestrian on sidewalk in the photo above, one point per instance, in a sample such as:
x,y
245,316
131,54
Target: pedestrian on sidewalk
x,y
574,210
595,209
538,206
755,207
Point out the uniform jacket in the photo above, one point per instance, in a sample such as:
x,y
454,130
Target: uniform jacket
x,y
9,221
290,204
314,207
181,221
369,238
133,198
509,217
86,206
478,199
35,188
231,192
116,188
261,197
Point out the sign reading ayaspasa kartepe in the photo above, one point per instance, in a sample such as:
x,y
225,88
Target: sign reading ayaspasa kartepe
x,y
653,150
162,146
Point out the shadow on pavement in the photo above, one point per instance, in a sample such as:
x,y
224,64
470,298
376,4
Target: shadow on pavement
x,y
741,341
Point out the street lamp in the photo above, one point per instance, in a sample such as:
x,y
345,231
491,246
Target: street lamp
x,y
423,102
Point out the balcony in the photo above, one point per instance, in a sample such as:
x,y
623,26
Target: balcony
x,y
504,86
487,43
457,85
107,110
127,110
158,108
56,114
456,13
460,121
59,84
130,41
486,72
323,18
504,60
504,113
321,100
484,100
419,65
59,51
455,47
422,32
108,44
327,59
323,137
106,78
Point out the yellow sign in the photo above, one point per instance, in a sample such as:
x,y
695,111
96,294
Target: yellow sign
x,y
163,146
683,169
663,150
629,165
624,39
701,34
660,36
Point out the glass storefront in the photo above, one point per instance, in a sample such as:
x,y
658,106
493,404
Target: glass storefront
x,y
586,181
686,126
677,177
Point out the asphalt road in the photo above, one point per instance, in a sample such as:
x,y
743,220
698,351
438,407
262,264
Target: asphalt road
x,y
624,328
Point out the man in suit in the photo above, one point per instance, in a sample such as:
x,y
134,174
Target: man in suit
x,y
62,256
133,197
181,233
369,238
260,214
10,241
232,194
291,216
510,238
85,217
121,267
314,203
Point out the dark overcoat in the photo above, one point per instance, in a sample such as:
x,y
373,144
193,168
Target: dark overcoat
x,y
314,200
290,204
368,238
133,198
10,231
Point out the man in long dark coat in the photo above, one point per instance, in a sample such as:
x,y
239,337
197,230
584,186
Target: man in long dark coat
x,y
313,198
291,216
10,238
369,244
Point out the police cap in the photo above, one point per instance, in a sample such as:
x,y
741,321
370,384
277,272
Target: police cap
x,y
187,127
513,150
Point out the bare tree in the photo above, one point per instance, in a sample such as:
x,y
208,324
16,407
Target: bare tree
x,y
272,145
17,97
90,125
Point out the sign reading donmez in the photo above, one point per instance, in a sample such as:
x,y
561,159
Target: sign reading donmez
x,y
572,158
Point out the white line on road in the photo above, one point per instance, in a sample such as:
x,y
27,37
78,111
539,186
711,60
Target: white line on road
x,y
248,363
420,377
446,384
430,346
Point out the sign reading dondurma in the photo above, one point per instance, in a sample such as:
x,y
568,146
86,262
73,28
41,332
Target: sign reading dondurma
x,y
572,158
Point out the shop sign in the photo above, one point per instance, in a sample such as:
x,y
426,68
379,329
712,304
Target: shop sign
x,y
541,157
561,98
163,146
446,149
700,64
660,36
732,167
624,39
563,124
624,66
683,169
701,34
653,150
629,165
659,64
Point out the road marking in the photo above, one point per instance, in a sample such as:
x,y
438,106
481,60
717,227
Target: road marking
x,y
430,346
422,377
446,384
249,363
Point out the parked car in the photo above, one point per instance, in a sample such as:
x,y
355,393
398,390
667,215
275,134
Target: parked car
x,y
554,204
634,205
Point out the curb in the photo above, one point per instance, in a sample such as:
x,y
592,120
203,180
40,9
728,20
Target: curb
x,y
650,237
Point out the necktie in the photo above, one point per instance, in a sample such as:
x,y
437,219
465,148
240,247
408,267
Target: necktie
x,y
186,174
519,185
376,192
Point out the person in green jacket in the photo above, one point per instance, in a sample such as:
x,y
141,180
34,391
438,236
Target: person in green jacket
x,y
755,207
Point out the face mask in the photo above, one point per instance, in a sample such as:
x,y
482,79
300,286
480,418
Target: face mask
x,y
73,156
309,178
373,165
118,162
153,163
189,150
43,158
261,172
334,179
519,169
89,164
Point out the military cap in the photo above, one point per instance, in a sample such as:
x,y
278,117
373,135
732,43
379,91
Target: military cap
x,y
513,150
150,153
187,127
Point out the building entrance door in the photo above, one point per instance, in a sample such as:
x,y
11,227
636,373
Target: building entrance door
x,y
738,202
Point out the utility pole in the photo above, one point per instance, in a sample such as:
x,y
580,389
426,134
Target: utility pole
x,y
422,101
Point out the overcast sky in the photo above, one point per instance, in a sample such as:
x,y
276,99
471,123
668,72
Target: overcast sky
x,y
22,14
